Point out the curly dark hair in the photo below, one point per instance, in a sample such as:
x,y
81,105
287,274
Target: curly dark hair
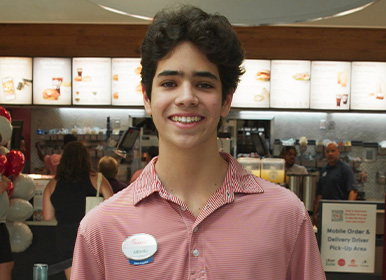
x,y
74,164
211,33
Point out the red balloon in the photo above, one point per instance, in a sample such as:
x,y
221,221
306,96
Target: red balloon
x,y
5,114
10,189
15,164
3,162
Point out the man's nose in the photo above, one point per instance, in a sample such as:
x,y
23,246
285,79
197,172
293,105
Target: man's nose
x,y
187,95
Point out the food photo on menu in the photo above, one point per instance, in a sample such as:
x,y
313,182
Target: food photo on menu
x,y
16,80
290,84
253,90
52,81
91,81
126,85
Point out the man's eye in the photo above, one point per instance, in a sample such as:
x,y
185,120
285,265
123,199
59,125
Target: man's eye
x,y
168,84
205,85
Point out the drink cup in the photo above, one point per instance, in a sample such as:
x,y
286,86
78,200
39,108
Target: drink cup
x,y
338,99
56,82
345,98
80,70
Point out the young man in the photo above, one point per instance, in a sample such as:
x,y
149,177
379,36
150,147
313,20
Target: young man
x,y
194,213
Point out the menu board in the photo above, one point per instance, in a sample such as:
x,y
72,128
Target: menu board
x,y
52,81
330,85
253,89
290,84
126,81
368,87
91,81
16,80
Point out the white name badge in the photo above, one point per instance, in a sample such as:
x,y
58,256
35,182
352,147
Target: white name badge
x,y
139,248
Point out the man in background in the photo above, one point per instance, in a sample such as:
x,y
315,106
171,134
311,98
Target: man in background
x,y
337,180
289,153
52,161
151,152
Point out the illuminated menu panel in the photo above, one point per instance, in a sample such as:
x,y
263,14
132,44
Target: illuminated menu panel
x,y
330,85
290,84
368,88
52,81
91,79
126,81
16,80
254,87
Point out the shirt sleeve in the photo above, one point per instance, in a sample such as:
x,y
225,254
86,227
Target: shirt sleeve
x,y
319,184
305,262
351,182
85,264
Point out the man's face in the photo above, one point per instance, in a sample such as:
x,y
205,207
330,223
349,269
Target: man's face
x,y
186,103
332,153
290,157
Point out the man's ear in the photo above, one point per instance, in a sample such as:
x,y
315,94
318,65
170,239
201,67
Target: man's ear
x,y
226,106
146,100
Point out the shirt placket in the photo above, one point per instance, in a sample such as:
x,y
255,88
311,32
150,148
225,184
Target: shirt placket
x,y
196,247
196,252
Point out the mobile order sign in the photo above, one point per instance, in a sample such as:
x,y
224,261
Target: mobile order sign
x,y
348,237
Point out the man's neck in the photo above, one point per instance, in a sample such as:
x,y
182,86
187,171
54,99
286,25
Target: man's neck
x,y
192,175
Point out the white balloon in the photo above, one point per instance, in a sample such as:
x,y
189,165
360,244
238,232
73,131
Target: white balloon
x,y
20,236
3,150
5,130
23,187
19,210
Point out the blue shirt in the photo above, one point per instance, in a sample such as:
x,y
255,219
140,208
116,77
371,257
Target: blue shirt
x,y
336,181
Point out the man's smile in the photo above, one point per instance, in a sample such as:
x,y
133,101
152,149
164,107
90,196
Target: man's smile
x,y
186,119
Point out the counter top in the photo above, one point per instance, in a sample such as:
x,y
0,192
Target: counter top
x,y
41,223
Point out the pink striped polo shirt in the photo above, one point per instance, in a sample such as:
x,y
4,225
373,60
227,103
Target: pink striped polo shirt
x,y
249,229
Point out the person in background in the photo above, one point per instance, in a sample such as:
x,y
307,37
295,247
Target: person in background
x,y
64,197
52,161
194,212
289,153
337,180
6,257
149,155
108,166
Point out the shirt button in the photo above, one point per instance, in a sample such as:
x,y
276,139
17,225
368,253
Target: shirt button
x,y
195,229
183,208
196,252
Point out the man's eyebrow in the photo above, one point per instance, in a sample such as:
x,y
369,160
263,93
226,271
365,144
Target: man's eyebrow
x,y
170,73
203,74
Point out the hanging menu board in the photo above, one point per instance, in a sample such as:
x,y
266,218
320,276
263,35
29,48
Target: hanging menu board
x,y
330,85
16,80
126,81
368,87
290,84
52,81
254,87
91,81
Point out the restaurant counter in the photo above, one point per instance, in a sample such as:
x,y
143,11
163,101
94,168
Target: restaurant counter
x,y
42,250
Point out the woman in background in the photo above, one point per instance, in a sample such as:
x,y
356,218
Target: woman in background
x,y
64,197
108,166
